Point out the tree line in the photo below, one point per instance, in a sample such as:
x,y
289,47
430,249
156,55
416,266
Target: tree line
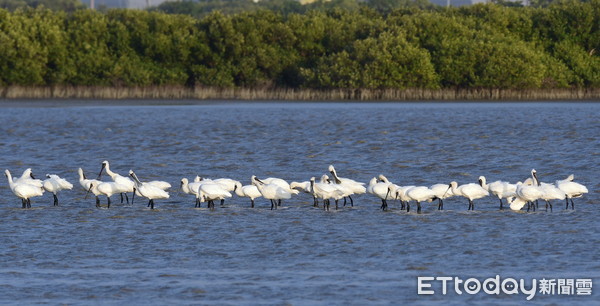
x,y
479,46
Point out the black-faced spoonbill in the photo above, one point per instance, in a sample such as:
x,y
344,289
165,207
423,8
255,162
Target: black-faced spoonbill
x,y
148,191
54,184
247,191
124,181
470,191
501,189
23,191
272,192
571,189
356,187
88,185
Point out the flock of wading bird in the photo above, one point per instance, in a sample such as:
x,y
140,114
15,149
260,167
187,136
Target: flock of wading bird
x,y
528,192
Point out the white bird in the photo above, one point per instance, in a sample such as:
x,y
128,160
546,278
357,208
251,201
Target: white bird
x,y
549,191
526,193
501,189
392,191
124,181
227,184
271,192
86,184
23,191
470,191
571,189
210,191
148,191
441,192
345,190
419,194
93,188
305,187
28,178
109,188
281,183
379,188
356,187
247,191
399,192
54,184
192,188
326,191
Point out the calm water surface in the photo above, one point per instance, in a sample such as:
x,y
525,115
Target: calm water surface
x,y
176,254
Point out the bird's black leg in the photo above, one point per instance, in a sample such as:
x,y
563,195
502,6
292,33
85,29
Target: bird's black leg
x,y
407,206
440,204
279,202
55,200
222,202
537,204
344,201
108,201
315,202
567,199
336,204
252,203
152,206
272,203
24,203
528,206
572,204
418,207
121,197
501,207
402,205
28,203
351,201
97,201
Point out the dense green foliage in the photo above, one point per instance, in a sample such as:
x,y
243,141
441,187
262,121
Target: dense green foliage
x,y
480,46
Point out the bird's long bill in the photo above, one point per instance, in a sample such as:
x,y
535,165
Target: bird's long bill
x,y
101,170
337,180
88,192
31,175
536,178
258,180
443,196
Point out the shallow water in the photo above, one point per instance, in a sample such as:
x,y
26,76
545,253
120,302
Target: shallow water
x,y
176,254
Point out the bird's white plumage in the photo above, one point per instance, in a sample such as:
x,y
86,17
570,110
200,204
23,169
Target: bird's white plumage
x,y
271,191
124,182
23,190
350,184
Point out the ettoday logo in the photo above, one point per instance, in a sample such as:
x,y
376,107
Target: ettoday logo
x,y
494,285
497,285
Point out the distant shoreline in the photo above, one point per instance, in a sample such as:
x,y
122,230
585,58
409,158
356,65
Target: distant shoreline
x,y
193,95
